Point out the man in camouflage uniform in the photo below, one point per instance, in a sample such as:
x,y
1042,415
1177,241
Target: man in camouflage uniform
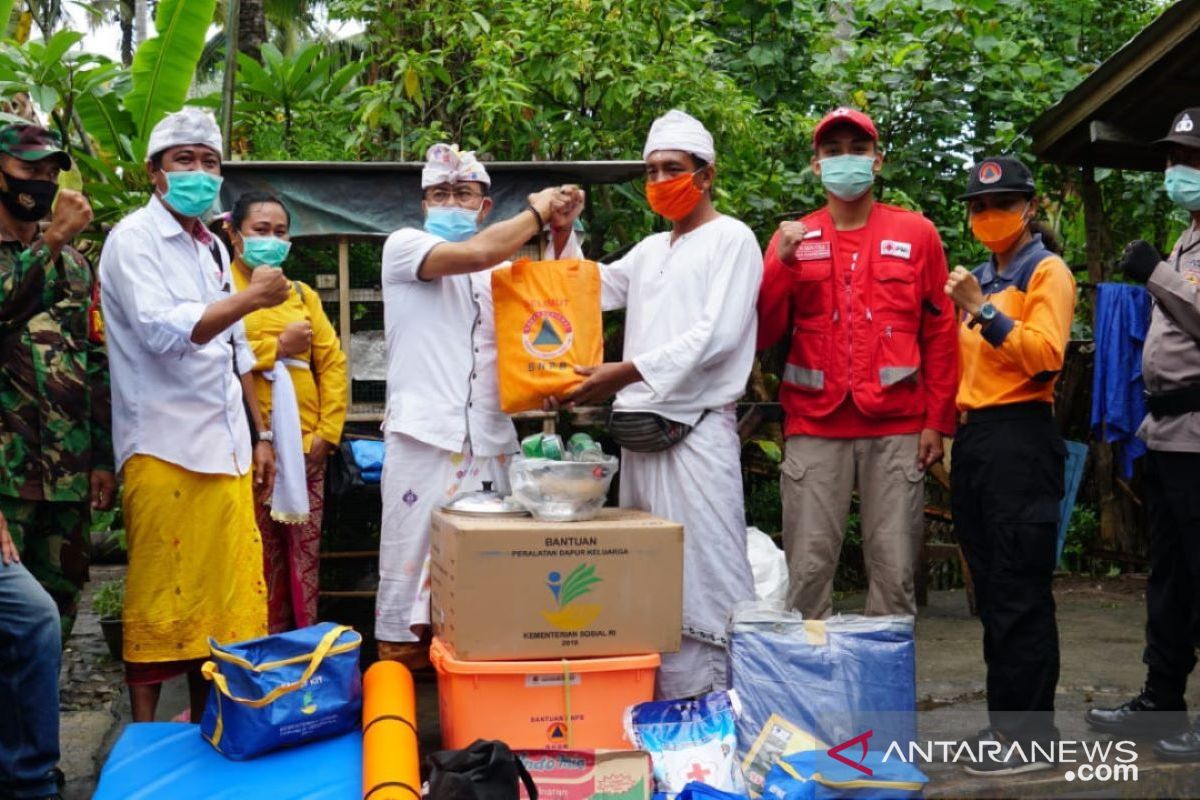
x,y
55,431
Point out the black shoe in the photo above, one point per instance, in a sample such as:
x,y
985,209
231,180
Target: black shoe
x,y
1181,748
1145,716
1008,758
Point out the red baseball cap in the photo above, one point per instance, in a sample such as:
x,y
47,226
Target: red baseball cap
x,y
851,116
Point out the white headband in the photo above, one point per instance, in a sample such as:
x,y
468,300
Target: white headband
x,y
676,130
445,163
187,126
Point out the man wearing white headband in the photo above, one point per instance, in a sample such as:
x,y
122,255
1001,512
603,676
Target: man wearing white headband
x,y
689,345
444,429
182,389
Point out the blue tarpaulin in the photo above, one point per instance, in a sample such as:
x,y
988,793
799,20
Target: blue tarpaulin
x,y
153,760
834,678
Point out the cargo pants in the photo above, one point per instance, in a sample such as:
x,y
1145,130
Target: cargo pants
x,y
819,477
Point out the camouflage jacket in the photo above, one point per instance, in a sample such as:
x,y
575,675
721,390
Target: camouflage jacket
x,y
55,417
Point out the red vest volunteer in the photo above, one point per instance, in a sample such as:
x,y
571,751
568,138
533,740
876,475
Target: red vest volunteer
x,y
871,371
872,335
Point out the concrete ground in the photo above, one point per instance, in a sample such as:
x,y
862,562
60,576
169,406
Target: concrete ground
x,y
1100,630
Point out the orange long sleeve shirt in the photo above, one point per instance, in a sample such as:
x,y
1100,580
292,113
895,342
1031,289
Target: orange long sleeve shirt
x,y
1017,357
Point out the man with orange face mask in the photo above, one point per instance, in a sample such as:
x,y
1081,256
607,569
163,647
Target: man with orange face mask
x,y
689,345
868,387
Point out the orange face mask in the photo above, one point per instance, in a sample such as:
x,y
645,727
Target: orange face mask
x,y
996,229
675,198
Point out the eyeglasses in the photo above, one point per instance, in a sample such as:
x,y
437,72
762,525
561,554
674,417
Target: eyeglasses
x,y
459,196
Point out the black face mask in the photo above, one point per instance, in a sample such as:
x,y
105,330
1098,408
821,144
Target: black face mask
x,y
28,200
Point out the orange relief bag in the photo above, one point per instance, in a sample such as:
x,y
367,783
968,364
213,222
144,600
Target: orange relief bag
x,y
547,323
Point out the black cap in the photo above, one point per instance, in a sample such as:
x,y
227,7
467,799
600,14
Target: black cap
x,y
1185,129
999,174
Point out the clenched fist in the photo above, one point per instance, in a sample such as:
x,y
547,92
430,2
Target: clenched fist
x,y
72,213
268,287
963,288
791,233
294,339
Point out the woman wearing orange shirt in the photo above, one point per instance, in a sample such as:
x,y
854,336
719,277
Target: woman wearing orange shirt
x,y
1007,461
300,378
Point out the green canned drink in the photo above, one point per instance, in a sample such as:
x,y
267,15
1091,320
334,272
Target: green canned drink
x,y
531,446
584,448
552,446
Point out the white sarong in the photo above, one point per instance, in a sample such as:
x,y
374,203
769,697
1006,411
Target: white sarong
x,y
417,478
698,483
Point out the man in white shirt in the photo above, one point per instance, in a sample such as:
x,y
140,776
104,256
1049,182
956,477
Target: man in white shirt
x,y
690,324
180,432
443,426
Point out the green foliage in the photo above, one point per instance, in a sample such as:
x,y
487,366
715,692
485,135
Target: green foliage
x,y
947,82
764,506
769,449
281,85
1082,533
164,65
109,599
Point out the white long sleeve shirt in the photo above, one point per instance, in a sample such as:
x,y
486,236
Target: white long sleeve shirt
x,y
172,398
441,338
690,322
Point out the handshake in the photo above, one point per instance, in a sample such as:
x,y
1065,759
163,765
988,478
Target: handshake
x,y
558,206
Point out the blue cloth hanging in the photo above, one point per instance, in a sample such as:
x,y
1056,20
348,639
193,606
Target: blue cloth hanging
x,y
1118,394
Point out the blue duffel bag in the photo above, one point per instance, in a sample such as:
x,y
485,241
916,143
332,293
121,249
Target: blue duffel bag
x,y
283,690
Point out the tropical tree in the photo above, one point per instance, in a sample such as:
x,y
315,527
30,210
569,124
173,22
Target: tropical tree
x,y
281,88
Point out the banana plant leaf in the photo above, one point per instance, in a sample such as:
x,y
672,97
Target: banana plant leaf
x,y
164,65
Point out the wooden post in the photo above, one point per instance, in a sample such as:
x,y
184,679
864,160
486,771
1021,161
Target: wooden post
x,y
1099,242
1118,518
344,311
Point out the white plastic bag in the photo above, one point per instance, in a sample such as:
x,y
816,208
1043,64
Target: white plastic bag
x,y
768,565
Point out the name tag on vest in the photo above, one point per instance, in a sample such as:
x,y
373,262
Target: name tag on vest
x,y
888,247
813,251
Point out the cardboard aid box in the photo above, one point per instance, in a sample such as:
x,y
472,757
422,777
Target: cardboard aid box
x,y
514,588
588,774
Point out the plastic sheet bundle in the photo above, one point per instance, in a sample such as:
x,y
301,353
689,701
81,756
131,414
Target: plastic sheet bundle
x,y
833,679
688,740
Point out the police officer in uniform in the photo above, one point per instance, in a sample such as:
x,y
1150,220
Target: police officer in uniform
x,y
1171,430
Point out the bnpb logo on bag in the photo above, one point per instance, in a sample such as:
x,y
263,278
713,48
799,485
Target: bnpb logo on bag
x,y
547,334
569,615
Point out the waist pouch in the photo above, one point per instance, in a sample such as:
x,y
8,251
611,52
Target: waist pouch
x,y
647,432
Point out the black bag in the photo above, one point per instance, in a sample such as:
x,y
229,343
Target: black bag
x,y
647,432
344,475
487,770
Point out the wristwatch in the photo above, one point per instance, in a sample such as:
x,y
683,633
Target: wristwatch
x,y
987,313
265,436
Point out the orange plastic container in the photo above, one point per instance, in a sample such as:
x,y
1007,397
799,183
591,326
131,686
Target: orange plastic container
x,y
564,704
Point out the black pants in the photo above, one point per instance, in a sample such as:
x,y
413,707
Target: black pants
x,y
1173,592
1006,484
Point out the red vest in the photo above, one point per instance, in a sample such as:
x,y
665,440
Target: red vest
x,y
866,341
